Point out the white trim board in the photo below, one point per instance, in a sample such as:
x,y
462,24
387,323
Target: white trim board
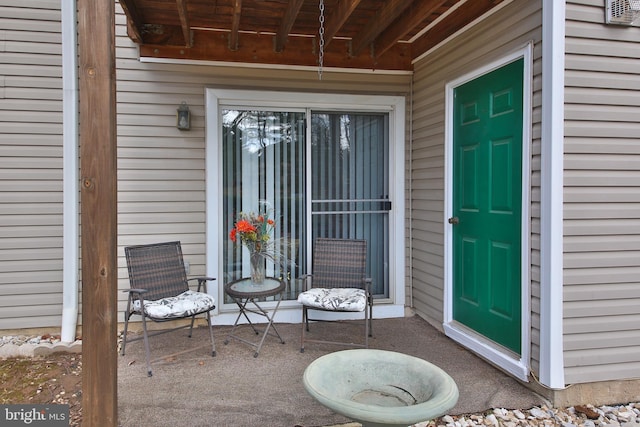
x,y
551,195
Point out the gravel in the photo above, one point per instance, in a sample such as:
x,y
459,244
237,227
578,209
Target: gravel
x,y
626,415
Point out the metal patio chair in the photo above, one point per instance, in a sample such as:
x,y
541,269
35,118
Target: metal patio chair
x,y
337,282
160,292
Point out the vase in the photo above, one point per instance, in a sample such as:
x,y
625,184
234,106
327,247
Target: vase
x,y
257,268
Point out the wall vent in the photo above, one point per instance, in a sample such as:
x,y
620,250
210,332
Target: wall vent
x,y
623,12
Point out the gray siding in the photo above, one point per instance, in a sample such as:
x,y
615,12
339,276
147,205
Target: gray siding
x,y
503,32
601,197
30,164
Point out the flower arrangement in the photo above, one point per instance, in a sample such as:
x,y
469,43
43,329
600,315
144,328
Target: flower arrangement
x,y
255,231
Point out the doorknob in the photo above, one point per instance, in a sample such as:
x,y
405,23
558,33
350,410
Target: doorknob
x,y
454,220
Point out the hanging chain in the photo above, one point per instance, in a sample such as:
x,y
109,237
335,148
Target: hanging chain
x,y
321,34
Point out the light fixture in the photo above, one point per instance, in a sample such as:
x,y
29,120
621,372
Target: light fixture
x,y
183,117
623,12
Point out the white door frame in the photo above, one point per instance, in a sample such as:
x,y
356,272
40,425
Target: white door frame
x,y
517,365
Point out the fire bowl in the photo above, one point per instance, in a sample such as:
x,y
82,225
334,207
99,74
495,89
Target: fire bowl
x,y
380,388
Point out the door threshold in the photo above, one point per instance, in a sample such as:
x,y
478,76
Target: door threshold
x,y
501,357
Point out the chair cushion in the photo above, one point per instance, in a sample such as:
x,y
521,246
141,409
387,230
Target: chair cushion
x,y
186,304
338,299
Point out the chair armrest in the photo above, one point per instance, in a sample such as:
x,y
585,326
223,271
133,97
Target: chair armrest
x,y
135,291
367,285
307,281
135,294
202,281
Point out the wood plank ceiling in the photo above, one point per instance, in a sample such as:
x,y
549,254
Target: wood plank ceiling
x,y
365,34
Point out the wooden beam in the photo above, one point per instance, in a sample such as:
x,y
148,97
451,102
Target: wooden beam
x,y
466,14
184,22
391,10
98,197
134,23
212,46
287,22
337,18
235,25
413,17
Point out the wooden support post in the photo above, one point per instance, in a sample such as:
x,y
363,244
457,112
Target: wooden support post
x,y
98,160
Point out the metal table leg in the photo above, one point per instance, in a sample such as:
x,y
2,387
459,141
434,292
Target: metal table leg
x,y
242,305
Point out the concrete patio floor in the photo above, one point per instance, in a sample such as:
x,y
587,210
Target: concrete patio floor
x,y
189,387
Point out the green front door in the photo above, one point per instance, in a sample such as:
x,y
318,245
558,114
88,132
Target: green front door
x,y
487,198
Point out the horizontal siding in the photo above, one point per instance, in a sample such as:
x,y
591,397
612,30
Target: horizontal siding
x,y
30,164
161,170
601,197
507,30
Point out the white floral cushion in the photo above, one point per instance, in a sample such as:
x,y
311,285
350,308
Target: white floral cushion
x,y
186,304
338,299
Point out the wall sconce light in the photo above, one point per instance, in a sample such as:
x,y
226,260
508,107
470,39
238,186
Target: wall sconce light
x,y
183,117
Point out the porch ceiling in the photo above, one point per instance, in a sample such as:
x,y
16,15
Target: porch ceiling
x,y
365,34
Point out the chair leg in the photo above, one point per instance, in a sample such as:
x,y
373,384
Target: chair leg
x,y
366,328
371,318
127,316
213,343
124,333
193,319
305,321
146,345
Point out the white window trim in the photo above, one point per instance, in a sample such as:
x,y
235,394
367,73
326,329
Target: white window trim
x,y
289,311
517,365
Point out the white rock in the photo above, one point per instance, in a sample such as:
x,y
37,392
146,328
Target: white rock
x,y
500,412
519,415
626,416
491,420
539,413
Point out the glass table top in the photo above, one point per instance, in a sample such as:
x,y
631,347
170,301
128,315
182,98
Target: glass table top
x,y
245,288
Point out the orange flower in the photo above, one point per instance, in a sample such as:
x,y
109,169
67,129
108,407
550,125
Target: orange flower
x,y
232,235
270,222
245,226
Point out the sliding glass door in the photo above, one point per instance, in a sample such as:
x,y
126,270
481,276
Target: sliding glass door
x,y
320,172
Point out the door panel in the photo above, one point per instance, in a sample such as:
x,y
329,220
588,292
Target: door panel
x,y
350,184
263,162
487,197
